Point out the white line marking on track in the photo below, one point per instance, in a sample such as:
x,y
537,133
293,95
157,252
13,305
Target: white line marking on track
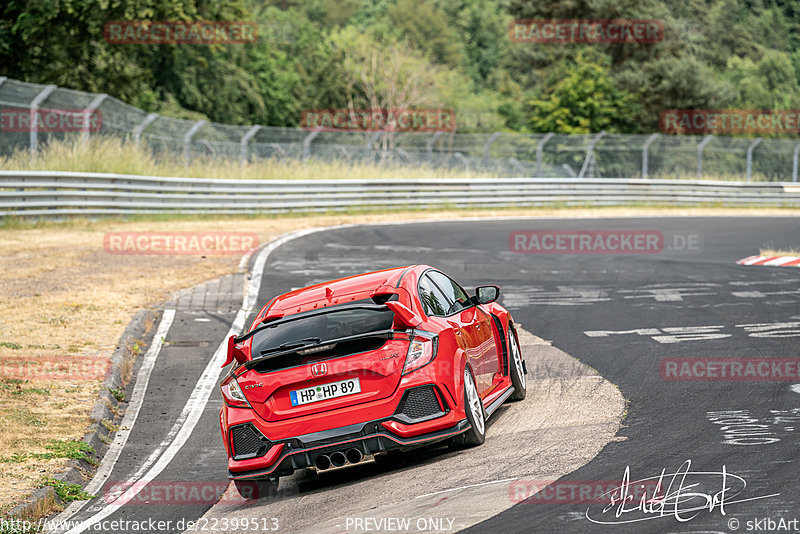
x,y
129,419
466,487
795,388
179,433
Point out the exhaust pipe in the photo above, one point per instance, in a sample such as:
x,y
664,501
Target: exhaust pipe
x,y
338,459
354,456
323,462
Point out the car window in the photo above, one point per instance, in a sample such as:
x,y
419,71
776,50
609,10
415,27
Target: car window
x,y
457,298
335,324
433,300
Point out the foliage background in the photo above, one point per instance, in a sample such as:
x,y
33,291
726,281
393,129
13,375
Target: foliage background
x,y
456,54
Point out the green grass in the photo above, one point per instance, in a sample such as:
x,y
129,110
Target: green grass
x,y
66,492
72,449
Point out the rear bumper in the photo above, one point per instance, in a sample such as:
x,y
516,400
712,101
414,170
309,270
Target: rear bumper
x,y
370,438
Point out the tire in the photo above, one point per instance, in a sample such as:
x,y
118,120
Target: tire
x,y
516,367
257,489
476,415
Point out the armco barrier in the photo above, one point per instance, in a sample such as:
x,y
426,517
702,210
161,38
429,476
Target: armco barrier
x,y
45,193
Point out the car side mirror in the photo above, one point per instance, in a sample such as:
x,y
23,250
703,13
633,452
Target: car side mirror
x,y
487,294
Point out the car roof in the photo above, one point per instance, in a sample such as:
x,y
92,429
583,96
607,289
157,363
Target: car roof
x,y
339,291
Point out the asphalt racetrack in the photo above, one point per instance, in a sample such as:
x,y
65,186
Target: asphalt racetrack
x,y
657,325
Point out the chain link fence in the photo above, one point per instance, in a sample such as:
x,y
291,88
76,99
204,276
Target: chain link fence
x,y
504,154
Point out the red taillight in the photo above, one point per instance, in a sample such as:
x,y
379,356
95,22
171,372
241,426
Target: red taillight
x,y
421,351
233,394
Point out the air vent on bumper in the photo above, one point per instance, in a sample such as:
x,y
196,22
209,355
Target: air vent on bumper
x,y
419,404
248,442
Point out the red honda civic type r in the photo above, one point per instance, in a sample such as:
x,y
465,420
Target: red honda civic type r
x,y
334,373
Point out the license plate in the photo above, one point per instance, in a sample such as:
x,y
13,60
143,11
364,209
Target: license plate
x,y
325,391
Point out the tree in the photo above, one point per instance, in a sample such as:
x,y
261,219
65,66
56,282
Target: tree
x,y
585,100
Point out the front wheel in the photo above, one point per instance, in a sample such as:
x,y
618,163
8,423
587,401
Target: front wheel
x,y
516,366
476,416
257,489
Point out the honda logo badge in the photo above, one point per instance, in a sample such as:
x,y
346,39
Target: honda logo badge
x,y
319,369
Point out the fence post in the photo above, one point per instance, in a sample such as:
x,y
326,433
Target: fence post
x,y
187,139
488,145
794,162
91,108
307,143
539,153
750,148
137,132
371,141
590,154
40,98
430,143
460,157
520,169
243,143
646,154
707,139
276,147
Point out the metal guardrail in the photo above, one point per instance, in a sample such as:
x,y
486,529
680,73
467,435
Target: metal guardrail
x,y
52,194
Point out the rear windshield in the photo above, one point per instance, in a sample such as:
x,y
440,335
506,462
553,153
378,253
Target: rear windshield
x,y
326,327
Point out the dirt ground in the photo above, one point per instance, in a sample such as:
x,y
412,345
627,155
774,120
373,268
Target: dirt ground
x,y
66,300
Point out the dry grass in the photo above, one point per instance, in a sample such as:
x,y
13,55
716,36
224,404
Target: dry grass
x,y
66,298
779,252
110,154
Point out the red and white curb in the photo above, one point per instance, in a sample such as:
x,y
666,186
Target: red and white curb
x,y
778,261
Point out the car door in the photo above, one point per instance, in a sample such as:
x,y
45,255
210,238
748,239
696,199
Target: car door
x,y
477,327
436,304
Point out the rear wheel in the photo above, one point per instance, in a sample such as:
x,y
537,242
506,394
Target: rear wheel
x,y
476,416
257,489
516,367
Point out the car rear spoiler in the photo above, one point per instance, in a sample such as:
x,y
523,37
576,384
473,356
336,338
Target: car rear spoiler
x,y
234,353
404,317
390,296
